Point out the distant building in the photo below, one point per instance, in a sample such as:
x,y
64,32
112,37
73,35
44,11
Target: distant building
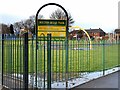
x,y
22,31
4,29
92,32
96,32
73,33
117,34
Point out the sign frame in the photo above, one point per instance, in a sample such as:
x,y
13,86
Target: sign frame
x,y
66,44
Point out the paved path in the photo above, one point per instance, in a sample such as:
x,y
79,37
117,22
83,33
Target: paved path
x,y
12,83
110,81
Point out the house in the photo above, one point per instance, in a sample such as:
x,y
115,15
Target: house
x,y
117,34
92,32
96,32
22,31
73,33
4,29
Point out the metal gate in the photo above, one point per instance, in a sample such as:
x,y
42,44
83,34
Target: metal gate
x,y
15,61
26,64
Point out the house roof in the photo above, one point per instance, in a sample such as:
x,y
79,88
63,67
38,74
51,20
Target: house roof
x,y
117,30
88,30
74,31
94,30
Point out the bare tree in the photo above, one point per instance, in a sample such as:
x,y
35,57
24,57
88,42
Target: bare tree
x,y
28,23
59,14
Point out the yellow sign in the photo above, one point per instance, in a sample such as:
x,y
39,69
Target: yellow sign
x,y
57,28
52,28
54,34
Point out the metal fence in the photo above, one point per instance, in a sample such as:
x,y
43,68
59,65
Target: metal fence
x,y
13,67
41,65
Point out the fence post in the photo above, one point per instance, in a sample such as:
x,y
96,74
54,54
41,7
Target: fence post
x,y
25,62
2,55
48,61
118,53
66,68
103,57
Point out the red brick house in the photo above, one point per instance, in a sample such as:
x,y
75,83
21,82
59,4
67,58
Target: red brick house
x,y
92,32
96,32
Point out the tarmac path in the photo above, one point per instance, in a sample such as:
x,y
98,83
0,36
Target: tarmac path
x,y
108,82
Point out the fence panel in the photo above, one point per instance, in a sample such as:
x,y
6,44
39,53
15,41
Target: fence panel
x,y
82,60
14,64
12,61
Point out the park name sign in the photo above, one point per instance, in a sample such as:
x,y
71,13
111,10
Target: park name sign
x,y
57,28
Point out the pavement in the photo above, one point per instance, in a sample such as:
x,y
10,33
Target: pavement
x,y
12,83
1,87
108,82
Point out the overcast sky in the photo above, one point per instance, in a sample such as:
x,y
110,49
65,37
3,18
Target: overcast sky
x,y
86,13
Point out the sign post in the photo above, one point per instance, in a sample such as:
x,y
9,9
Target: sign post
x,y
57,28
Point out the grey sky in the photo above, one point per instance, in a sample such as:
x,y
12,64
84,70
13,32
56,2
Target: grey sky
x,y
86,13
